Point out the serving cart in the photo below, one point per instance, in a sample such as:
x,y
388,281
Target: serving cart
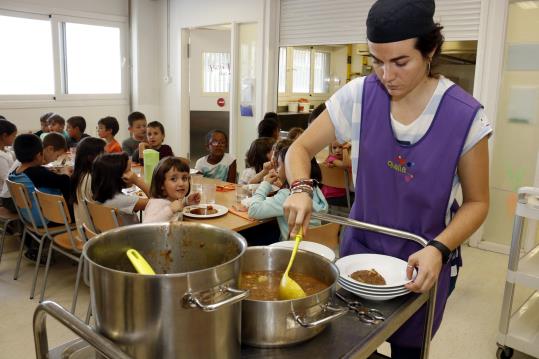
x,y
346,337
520,329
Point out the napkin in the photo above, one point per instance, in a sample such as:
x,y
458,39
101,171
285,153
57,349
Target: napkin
x,y
225,188
241,214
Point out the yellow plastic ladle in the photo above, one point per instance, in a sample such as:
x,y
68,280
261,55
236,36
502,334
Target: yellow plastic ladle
x,y
138,261
289,288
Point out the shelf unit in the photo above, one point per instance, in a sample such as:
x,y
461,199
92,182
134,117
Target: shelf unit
x,y
520,329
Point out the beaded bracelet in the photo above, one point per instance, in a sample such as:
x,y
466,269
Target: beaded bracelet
x,y
304,181
309,191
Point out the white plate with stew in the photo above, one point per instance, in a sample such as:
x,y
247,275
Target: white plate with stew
x,y
205,211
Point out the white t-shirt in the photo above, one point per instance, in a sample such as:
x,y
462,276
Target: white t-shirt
x,y
218,170
5,190
344,109
158,210
6,161
247,175
125,205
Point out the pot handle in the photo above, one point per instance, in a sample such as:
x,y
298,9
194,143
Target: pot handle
x,y
194,301
337,312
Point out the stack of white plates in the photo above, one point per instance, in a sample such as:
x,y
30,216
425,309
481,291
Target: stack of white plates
x,y
392,269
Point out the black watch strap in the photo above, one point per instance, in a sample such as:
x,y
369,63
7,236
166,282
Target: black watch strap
x,y
446,252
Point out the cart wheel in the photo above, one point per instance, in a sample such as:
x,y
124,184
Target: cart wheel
x,y
504,353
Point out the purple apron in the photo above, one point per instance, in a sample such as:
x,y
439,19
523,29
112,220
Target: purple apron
x,y
407,187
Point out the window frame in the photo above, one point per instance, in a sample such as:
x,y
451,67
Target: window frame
x,y
59,61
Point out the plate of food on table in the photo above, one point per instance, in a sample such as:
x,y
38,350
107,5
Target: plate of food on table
x,y
204,211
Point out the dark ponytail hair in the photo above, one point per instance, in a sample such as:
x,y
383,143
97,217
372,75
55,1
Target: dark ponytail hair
x,y
6,127
87,150
107,172
428,42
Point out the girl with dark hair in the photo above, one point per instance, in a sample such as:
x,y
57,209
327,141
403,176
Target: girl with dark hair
x,y
8,132
81,179
217,164
416,138
111,172
257,161
263,206
169,191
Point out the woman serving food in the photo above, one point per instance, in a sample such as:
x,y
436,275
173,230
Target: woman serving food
x,y
416,138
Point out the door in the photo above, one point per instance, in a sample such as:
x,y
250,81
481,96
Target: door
x,y
209,84
516,147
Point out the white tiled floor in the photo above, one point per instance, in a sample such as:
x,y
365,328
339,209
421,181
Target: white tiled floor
x,y
469,328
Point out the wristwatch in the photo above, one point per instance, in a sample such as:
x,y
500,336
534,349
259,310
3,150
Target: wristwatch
x,y
446,252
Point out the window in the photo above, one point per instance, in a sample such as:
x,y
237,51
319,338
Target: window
x,y
282,69
93,59
26,60
216,69
321,72
301,77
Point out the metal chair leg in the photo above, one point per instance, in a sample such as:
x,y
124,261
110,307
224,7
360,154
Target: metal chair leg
x,y
2,239
16,274
88,313
38,262
77,284
49,255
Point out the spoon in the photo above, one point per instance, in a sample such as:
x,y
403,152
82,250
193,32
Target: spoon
x,y
138,261
289,288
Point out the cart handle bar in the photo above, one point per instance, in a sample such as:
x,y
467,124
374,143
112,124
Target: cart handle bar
x,y
77,326
370,227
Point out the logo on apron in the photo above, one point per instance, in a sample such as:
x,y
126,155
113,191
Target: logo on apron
x,y
401,165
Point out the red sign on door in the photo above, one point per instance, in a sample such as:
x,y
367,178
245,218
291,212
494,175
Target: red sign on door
x,y
220,102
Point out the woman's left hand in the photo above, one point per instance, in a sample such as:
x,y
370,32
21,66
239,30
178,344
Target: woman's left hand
x,y
428,262
193,198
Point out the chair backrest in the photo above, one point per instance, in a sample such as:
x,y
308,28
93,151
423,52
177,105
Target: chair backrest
x,y
103,217
334,176
23,204
53,207
326,234
87,232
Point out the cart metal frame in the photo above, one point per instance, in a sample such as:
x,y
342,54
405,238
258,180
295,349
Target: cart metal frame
x,y
110,350
520,330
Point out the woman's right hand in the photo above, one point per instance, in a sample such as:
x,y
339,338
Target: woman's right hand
x,y
297,209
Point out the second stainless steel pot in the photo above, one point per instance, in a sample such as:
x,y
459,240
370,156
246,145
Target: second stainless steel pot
x,y
286,322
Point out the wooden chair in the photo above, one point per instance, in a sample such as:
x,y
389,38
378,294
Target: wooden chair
x,y
103,217
336,177
6,217
24,205
326,234
53,208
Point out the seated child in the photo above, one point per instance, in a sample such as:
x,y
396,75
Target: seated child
x,y
339,156
8,132
111,173
107,128
81,179
217,164
29,152
269,126
137,131
155,134
268,207
75,130
169,191
56,124
257,161
294,133
44,124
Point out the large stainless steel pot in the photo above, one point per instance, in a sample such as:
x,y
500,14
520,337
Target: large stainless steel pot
x,y
192,311
286,322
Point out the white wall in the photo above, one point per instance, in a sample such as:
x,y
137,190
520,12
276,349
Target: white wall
x,y
25,114
202,40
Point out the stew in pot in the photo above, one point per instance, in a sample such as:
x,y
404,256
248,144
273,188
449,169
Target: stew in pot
x,y
264,285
